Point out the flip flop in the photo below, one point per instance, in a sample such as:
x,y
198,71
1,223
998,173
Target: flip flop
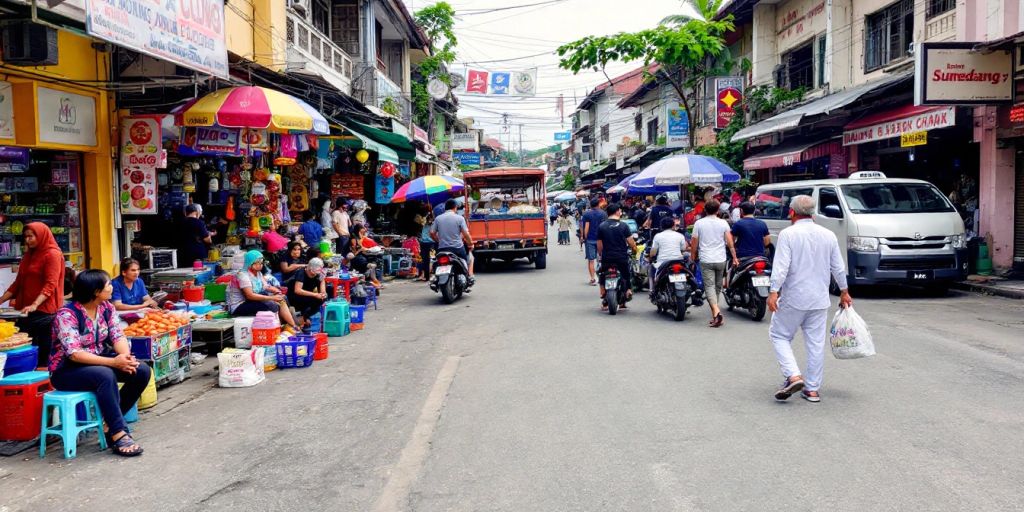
x,y
788,389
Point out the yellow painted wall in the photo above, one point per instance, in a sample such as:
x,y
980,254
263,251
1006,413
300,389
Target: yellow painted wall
x,y
269,31
77,61
239,14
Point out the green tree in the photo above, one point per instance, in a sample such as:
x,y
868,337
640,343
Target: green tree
x,y
686,49
438,22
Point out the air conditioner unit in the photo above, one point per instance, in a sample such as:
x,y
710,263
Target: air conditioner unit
x,y
299,6
29,44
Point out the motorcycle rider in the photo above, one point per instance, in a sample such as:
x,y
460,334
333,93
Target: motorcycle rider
x,y
668,245
750,235
660,210
451,233
614,245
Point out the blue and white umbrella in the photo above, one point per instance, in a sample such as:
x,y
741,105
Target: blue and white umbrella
x,y
565,196
685,169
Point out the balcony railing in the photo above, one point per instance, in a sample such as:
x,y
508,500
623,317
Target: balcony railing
x,y
375,88
311,51
941,27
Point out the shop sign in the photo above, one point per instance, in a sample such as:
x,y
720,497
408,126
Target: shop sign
x,y
140,156
913,139
66,118
954,73
565,136
465,142
212,139
678,127
6,111
468,160
385,188
729,94
930,120
420,134
13,159
1017,113
187,32
405,169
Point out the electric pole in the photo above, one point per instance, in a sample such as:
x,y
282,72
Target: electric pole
x,y
520,144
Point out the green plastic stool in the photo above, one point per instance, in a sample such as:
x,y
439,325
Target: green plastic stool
x,y
336,318
70,426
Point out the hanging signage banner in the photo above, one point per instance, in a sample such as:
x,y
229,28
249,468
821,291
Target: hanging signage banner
x,y
385,188
678,127
468,160
420,135
922,122
913,139
465,142
140,156
565,136
956,74
6,111
728,95
189,33
212,139
66,118
500,83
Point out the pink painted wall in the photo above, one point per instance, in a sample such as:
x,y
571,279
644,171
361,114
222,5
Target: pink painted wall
x,y
995,188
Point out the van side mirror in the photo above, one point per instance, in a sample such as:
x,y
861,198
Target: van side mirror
x,y
832,211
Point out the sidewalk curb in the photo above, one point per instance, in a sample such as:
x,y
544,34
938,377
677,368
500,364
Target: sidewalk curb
x,y
989,289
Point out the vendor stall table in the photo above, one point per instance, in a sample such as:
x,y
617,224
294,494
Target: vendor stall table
x,y
213,335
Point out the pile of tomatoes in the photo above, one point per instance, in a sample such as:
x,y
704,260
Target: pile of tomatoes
x,y
156,322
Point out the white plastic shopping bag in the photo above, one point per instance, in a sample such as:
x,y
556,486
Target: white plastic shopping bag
x,y
850,336
241,368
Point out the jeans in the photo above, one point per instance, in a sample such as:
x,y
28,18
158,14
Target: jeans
x,y
306,306
102,381
251,307
37,325
425,248
591,250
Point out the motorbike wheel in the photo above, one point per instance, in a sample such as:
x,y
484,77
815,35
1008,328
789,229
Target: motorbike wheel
x,y
728,303
613,302
759,309
680,313
448,291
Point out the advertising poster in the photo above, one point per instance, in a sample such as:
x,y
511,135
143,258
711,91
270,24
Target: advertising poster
x,y
728,96
500,83
66,118
467,160
6,111
140,156
678,127
385,188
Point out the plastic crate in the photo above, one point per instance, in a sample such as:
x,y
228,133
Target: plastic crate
x,y
297,352
21,405
357,313
149,348
216,292
265,336
173,367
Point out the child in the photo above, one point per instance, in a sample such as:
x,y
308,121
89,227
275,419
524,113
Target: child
x,y
564,225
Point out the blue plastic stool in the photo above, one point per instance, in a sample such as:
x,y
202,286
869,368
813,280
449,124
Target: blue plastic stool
x,y
132,415
70,426
336,318
371,296
356,314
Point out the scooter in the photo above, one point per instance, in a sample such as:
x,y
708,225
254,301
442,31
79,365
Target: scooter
x,y
748,286
616,289
450,276
676,287
640,267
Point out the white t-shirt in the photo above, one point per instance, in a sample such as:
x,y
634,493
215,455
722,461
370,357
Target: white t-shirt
x,y
325,221
341,218
670,245
710,232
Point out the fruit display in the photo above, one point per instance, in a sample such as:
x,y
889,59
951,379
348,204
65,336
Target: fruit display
x,y
156,322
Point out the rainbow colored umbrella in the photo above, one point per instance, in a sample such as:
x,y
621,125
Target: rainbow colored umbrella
x,y
428,188
252,107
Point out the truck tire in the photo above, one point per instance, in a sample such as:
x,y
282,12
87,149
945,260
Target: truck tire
x,y
541,260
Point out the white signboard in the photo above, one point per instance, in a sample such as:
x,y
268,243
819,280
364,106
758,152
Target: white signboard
x,y
932,119
187,32
6,111
956,74
66,118
465,142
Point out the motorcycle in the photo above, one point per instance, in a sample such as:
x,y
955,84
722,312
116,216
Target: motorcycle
x,y
616,289
640,266
749,285
676,287
450,276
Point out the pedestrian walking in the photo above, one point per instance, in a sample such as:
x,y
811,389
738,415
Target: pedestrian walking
x,y
806,256
588,228
564,226
711,236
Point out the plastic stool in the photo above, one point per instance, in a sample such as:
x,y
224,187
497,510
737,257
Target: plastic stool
x,y
371,296
132,415
336,318
70,426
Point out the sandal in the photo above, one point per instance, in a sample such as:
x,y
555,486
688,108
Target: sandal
x,y
125,446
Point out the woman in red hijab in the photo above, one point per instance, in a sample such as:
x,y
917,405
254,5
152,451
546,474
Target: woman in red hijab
x,y
38,288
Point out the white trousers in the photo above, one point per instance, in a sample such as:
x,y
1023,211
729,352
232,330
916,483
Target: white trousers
x,y
785,324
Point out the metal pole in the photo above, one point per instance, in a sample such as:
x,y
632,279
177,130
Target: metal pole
x,y
520,144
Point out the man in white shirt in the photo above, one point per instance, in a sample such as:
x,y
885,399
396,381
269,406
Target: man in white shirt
x,y
340,222
806,256
711,235
668,245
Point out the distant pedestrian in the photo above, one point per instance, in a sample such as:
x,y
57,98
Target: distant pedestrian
x,y
806,256
564,226
711,236
591,220
311,230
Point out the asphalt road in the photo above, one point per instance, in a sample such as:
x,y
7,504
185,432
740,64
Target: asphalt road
x,y
523,396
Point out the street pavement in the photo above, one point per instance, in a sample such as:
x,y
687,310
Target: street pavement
x,y
523,396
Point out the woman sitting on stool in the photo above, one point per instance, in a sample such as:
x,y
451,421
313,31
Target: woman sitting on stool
x,y
308,291
249,292
90,353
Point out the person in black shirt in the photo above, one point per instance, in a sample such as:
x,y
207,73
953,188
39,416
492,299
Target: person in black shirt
x,y
615,244
308,291
660,210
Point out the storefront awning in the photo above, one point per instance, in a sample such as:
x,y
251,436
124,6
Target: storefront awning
x,y
789,154
357,140
895,122
793,117
400,143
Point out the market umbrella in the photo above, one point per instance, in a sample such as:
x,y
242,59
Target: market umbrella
x,y
685,169
252,107
582,193
565,196
439,208
428,188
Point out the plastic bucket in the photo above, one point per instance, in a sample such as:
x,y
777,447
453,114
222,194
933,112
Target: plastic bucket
x,y
243,331
193,293
21,360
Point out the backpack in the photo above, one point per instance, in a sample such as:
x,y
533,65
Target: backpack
x,y
80,318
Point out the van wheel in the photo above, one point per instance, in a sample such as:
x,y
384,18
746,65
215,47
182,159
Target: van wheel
x,y
541,260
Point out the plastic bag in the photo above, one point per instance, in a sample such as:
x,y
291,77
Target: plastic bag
x,y
850,336
241,368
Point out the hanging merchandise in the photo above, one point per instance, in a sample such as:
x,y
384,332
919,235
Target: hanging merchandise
x,y
387,169
287,151
298,195
283,208
229,210
188,183
362,156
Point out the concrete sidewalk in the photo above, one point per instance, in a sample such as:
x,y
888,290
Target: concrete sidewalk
x,y
993,285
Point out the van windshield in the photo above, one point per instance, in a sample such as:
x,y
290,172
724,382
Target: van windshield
x,y
895,198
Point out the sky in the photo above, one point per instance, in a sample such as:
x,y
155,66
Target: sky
x,y
527,37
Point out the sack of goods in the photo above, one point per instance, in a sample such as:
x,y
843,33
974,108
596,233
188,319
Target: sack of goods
x,y
850,336
240,368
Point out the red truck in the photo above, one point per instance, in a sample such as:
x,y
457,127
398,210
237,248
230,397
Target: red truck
x,y
506,209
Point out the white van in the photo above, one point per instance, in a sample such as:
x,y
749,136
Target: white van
x,y
892,230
